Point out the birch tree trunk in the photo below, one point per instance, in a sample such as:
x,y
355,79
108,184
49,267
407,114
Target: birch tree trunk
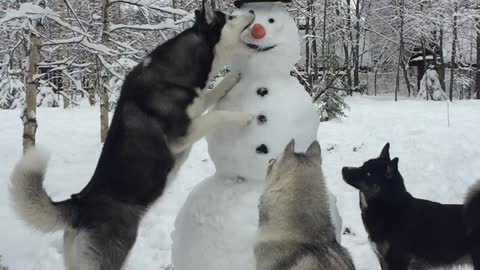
x,y
454,51
29,117
104,75
65,82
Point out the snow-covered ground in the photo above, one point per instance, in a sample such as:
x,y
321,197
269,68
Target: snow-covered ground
x,y
438,163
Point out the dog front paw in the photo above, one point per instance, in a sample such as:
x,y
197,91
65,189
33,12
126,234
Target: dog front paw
x,y
249,118
231,80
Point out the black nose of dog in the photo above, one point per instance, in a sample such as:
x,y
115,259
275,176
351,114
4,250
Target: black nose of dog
x,y
345,172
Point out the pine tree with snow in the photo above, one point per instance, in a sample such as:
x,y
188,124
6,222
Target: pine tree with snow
x,y
12,91
329,100
331,104
45,96
430,87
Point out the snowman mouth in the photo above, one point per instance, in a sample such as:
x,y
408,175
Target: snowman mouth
x,y
260,49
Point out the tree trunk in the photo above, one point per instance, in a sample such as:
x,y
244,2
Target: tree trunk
x,y
65,82
104,75
347,54
477,75
454,51
314,47
29,117
441,70
397,82
307,51
402,48
356,50
375,81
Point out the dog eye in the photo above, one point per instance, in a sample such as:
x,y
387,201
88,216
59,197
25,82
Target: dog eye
x,y
271,20
230,17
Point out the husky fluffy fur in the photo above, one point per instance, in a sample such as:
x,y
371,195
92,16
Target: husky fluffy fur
x,y
295,228
411,233
158,117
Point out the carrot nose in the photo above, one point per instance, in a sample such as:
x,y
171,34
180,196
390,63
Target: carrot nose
x,y
258,31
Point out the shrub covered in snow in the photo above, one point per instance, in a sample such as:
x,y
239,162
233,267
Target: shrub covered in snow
x,y
12,91
430,87
45,96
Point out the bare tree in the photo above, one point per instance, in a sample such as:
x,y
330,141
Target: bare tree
x,y
65,82
104,74
477,74
29,116
454,50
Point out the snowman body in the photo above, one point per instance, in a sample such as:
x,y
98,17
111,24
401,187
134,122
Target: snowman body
x,y
216,227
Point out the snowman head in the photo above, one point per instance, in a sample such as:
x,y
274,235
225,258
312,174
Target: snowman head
x,y
273,34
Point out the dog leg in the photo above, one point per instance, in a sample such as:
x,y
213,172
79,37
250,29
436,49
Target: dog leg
x,y
214,95
383,264
476,257
396,260
206,123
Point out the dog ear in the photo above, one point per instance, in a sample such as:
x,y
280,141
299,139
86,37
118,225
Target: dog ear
x,y
385,154
208,12
314,151
392,167
290,148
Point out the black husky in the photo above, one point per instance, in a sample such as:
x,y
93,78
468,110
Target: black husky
x,y
158,117
411,233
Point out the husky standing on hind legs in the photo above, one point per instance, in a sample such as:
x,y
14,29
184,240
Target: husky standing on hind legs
x,y
158,117
295,226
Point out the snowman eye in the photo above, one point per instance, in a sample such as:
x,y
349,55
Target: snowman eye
x,y
271,20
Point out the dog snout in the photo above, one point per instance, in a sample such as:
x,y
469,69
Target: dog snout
x,y
346,172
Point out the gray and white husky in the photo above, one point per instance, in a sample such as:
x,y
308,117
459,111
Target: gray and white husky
x,y
159,115
295,227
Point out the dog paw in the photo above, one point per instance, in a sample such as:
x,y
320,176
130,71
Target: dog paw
x,y
231,79
249,119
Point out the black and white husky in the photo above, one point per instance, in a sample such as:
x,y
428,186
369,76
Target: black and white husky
x,y
160,114
295,225
410,233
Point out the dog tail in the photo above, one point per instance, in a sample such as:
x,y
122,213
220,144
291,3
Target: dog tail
x,y
30,201
472,209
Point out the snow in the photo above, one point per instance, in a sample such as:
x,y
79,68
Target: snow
x,y
167,24
438,163
420,58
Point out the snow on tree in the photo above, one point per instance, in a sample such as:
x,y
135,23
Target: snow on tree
x,y
330,100
46,97
430,87
12,91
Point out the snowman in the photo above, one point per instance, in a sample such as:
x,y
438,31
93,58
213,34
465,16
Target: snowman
x,y
216,227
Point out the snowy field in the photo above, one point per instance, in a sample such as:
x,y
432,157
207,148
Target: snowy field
x,y
438,163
